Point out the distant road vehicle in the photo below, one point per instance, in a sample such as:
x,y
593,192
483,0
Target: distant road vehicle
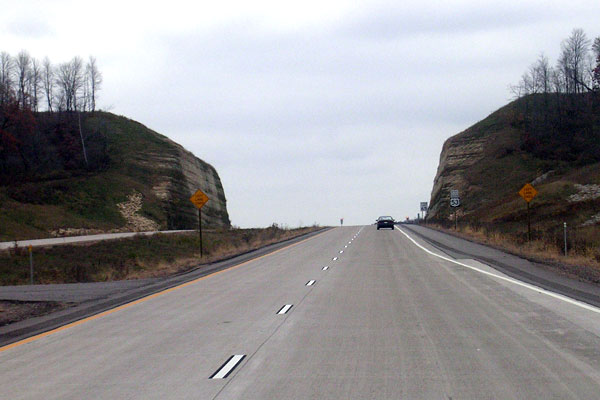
x,y
385,222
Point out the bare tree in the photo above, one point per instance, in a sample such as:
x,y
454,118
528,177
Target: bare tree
x,y
48,82
23,65
78,79
574,51
35,80
69,78
94,79
6,74
543,73
596,69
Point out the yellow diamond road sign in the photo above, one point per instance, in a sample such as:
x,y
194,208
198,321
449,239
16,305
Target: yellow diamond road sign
x,y
199,198
528,192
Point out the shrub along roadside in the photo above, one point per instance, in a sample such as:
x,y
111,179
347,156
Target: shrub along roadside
x,y
134,258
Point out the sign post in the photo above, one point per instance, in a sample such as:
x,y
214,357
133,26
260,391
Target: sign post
x,y
199,199
528,192
423,208
30,264
455,203
565,233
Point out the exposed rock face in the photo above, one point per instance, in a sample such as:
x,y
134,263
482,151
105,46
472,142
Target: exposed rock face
x,y
196,174
136,222
183,174
585,192
458,154
169,175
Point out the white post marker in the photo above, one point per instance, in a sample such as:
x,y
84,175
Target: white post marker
x,y
30,264
565,226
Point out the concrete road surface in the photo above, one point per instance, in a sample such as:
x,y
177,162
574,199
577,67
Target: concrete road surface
x,y
353,313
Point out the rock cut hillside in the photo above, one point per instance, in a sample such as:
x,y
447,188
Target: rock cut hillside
x,y
134,179
489,162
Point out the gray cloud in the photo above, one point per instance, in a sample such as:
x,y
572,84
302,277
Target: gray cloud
x,y
30,27
344,120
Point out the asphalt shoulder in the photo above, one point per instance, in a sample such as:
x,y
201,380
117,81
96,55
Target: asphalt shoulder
x,y
542,275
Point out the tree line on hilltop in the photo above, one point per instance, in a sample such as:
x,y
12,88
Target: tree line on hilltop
x,y
559,108
69,86
43,110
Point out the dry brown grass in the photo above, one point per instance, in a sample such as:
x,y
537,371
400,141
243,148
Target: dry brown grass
x,y
137,257
583,255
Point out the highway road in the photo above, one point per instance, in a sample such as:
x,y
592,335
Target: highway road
x,y
352,313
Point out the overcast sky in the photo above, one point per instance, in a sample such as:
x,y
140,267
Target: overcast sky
x,y
309,110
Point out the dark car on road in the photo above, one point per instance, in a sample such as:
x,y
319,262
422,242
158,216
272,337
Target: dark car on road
x,y
385,222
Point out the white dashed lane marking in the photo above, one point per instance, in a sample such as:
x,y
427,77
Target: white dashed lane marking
x,y
228,367
285,309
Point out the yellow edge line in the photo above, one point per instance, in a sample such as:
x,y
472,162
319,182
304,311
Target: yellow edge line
x,y
121,307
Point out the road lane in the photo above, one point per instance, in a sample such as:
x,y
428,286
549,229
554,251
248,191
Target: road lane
x,y
168,346
385,320
394,322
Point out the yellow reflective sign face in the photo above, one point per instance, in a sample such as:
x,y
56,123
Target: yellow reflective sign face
x,y
199,198
528,192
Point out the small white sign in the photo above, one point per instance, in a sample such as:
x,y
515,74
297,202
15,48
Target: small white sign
x,y
454,202
423,206
454,194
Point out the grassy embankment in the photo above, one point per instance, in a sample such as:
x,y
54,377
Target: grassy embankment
x,y
135,258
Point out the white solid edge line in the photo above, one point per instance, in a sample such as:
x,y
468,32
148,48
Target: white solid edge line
x,y
511,280
227,368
